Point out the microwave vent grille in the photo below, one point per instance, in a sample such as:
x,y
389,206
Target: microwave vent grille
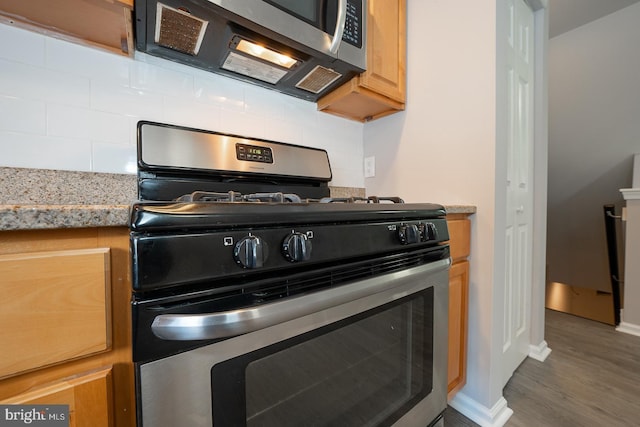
x,y
318,79
179,30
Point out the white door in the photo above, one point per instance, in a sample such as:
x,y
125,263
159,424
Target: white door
x,y
519,187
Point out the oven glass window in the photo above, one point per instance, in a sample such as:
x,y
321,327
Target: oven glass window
x,y
367,370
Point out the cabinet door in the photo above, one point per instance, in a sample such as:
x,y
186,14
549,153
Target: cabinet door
x,y
97,23
458,300
55,307
88,396
381,89
386,49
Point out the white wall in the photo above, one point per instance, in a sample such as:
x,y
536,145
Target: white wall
x,y
443,148
594,131
449,147
70,107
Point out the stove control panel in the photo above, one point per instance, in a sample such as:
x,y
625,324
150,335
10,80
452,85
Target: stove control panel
x,y
416,233
170,259
254,153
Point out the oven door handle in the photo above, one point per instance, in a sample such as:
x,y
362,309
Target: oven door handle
x,y
186,327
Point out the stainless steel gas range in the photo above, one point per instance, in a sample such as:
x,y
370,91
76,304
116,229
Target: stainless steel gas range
x,y
258,300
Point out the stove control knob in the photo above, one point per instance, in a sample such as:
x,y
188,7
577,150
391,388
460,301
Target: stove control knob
x,y
424,233
432,231
296,247
251,252
408,233
428,231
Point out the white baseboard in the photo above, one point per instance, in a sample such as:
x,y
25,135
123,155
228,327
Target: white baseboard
x,y
629,328
496,416
539,352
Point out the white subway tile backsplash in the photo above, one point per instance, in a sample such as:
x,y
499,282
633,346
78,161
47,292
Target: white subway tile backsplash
x,y
112,158
216,90
278,130
17,44
300,112
142,57
109,127
71,107
259,100
79,60
22,115
38,83
69,122
76,122
191,114
242,124
127,101
151,78
44,152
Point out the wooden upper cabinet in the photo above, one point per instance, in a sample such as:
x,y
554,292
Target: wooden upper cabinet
x,y
99,23
386,50
381,89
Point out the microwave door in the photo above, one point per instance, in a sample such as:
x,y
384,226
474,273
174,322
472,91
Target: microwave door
x,y
329,16
300,21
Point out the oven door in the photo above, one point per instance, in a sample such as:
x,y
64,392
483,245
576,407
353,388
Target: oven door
x,y
378,358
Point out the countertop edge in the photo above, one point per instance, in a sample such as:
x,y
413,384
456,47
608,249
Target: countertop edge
x,y
460,209
38,217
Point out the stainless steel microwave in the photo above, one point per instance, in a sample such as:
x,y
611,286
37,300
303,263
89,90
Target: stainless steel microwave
x,y
304,48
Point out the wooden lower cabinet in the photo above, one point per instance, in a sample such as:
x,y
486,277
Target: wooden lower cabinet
x,y
65,311
460,235
89,396
458,302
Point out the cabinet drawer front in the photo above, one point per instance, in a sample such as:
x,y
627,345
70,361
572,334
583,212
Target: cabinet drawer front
x,y
55,307
88,395
459,238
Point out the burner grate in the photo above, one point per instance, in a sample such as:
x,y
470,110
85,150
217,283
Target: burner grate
x,y
235,197
370,199
277,197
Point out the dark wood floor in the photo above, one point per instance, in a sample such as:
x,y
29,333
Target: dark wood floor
x,y
591,378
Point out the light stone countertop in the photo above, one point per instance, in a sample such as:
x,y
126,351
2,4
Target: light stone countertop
x,y
460,209
35,217
46,199
32,199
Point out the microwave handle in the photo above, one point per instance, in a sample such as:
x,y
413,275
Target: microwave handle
x,y
185,327
340,22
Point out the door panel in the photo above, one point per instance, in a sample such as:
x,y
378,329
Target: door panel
x,y
519,191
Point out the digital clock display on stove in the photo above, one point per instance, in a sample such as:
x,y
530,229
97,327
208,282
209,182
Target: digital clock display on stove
x,y
254,153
